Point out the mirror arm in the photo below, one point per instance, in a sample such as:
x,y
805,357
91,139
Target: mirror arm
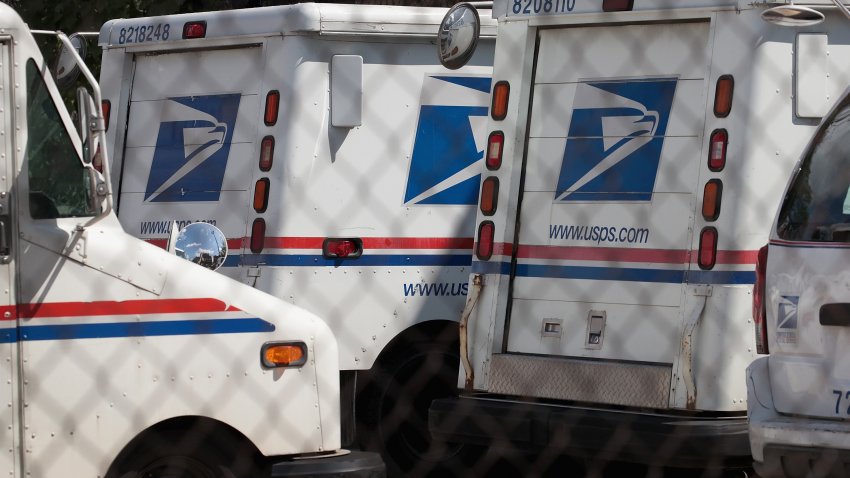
x,y
99,127
841,7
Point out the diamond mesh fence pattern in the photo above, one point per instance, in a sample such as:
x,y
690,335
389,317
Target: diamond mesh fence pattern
x,y
614,327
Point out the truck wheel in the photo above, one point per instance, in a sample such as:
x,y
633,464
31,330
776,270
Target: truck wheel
x,y
392,410
176,457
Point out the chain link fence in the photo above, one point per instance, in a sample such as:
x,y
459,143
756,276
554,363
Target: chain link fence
x,y
620,293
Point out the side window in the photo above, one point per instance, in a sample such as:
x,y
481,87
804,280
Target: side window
x,y
817,206
58,182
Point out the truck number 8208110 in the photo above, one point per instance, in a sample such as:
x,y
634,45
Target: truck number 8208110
x,y
534,7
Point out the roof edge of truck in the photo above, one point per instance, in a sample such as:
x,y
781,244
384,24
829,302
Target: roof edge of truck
x,y
286,19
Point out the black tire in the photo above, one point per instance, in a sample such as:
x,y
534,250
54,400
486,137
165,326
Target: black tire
x,y
171,455
392,408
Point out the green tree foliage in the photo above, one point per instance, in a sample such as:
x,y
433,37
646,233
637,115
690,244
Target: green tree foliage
x,y
73,15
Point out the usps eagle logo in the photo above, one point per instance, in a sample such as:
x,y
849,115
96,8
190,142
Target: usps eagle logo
x,y
192,147
445,166
786,314
614,140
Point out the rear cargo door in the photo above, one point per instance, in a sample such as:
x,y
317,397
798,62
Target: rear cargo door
x,y
190,148
607,208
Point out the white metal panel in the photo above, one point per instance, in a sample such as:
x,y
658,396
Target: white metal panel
x,y
666,219
632,293
624,338
151,220
568,55
170,75
367,306
810,75
724,345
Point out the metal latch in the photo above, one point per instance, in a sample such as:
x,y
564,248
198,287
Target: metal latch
x,y
595,329
551,328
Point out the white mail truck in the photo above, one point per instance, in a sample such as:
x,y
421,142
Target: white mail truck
x,y
342,162
120,359
637,150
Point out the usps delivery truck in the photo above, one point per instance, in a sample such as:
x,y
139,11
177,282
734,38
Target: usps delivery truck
x,y
341,160
636,153
120,359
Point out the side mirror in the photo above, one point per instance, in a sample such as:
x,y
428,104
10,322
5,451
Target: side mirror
x,y
67,70
458,35
792,16
203,244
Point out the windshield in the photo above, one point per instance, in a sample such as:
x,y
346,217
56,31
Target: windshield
x,y
817,206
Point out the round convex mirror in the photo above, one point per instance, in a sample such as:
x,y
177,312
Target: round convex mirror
x,y
458,35
792,16
67,70
203,244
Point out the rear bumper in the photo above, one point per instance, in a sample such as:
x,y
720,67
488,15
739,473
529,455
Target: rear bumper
x,y
620,435
791,446
356,464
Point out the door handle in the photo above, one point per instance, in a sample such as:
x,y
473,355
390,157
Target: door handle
x,y
5,240
835,314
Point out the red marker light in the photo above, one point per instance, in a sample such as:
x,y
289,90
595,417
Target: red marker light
x,y
258,235
499,107
723,96
711,195
759,306
342,248
272,106
617,5
194,30
106,109
707,254
489,195
484,246
261,195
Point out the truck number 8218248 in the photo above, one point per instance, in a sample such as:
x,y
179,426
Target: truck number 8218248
x,y
144,33
535,7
